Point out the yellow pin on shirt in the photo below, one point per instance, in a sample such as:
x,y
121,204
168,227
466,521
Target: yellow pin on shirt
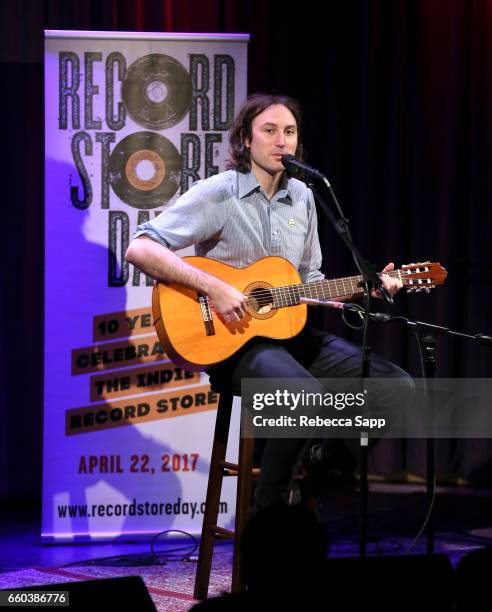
x,y
291,222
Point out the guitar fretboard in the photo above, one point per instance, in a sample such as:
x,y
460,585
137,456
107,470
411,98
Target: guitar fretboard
x,y
350,286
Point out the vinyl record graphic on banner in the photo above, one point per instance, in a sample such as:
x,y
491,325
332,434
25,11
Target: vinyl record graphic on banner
x,y
145,170
156,91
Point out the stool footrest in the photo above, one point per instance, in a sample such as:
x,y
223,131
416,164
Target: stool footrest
x,y
221,532
232,469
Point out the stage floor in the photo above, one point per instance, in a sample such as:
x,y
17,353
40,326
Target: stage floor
x,y
463,522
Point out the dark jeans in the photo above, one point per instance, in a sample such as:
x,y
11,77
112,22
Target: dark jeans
x,y
312,354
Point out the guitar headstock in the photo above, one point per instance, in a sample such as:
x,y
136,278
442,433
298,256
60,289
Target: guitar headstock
x,y
422,276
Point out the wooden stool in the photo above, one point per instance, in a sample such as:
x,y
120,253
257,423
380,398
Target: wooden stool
x,y
219,468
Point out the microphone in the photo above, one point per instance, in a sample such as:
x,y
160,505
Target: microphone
x,y
376,316
299,168
327,303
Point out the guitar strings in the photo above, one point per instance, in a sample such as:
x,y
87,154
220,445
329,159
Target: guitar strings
x,y
288,292
318,285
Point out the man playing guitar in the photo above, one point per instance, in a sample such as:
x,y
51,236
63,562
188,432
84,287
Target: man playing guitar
x,y
251,211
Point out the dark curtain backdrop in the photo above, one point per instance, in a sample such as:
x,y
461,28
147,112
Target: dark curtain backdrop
x,y
397,100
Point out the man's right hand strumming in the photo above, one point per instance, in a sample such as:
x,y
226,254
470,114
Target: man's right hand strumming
x,y
227,301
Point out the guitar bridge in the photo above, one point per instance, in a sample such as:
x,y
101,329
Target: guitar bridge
x,y
207,317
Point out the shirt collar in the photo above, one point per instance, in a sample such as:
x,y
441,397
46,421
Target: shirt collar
x,y
248,183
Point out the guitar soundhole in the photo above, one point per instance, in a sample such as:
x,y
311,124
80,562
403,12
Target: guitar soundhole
x,y
260,300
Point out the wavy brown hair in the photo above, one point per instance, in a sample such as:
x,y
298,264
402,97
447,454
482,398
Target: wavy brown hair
x,y
255,104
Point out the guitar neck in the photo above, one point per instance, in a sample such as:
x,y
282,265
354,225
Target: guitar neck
x,y
349,286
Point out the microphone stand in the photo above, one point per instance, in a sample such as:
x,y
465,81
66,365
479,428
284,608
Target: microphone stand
x,y
371,281
428,334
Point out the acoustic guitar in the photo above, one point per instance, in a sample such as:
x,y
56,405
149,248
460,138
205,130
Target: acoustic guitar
x,y
194,336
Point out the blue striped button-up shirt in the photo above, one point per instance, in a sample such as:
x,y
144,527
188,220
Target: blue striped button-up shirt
x,y
228,217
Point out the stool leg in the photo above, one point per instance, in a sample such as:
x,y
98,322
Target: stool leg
x,y
212,500
243,505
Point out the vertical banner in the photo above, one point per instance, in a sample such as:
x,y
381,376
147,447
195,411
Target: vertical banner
x,y
131,121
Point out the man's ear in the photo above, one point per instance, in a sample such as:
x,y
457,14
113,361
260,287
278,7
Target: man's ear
x,y
246,141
